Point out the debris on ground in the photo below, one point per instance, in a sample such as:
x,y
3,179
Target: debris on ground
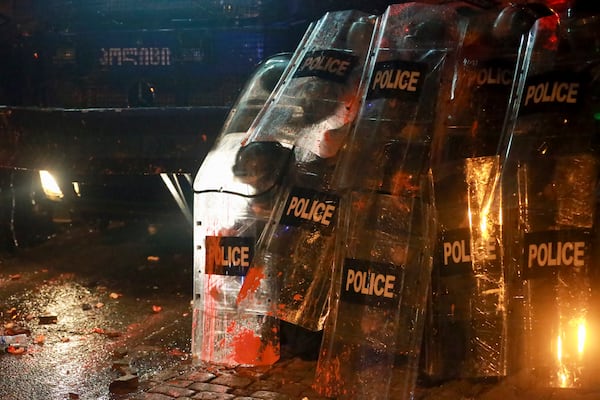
x,y
47,319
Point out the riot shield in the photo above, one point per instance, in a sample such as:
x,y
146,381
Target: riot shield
x,y
230,211
382,262
290,274
467,324
549,202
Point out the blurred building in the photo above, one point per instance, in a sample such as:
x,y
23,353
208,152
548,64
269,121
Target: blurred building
x,y
119,53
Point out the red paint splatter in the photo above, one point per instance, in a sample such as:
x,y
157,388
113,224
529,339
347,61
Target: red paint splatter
x,y
177,352
247,346
328,378
231,327
251,283
16,350
270,355
252,349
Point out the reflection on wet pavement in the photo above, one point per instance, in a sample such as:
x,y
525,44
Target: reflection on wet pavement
x,y
101,311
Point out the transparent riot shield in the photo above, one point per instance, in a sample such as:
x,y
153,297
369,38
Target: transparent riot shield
x,y
383,252
230,211
549,203
312,114
466,331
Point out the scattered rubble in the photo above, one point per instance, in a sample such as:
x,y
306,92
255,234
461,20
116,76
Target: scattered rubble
x,y
47,319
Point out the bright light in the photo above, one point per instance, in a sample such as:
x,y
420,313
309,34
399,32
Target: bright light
x,y
567,364
50,186
559,349
483,224
76,189
581,337
563,377
562,373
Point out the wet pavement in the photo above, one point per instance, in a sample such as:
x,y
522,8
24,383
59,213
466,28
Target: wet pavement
x,y
289,378
95,306
106,315
292,378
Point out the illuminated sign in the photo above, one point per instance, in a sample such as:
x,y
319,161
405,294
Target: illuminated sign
x,y
134,56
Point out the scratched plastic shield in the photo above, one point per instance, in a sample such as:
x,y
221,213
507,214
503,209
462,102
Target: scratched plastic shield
x,y
230,212
383,252
550,184
290,274
467,326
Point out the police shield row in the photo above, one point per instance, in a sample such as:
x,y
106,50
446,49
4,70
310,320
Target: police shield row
x,y
395,184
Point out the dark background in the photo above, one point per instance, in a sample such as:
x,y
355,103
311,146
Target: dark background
x,y
52,50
